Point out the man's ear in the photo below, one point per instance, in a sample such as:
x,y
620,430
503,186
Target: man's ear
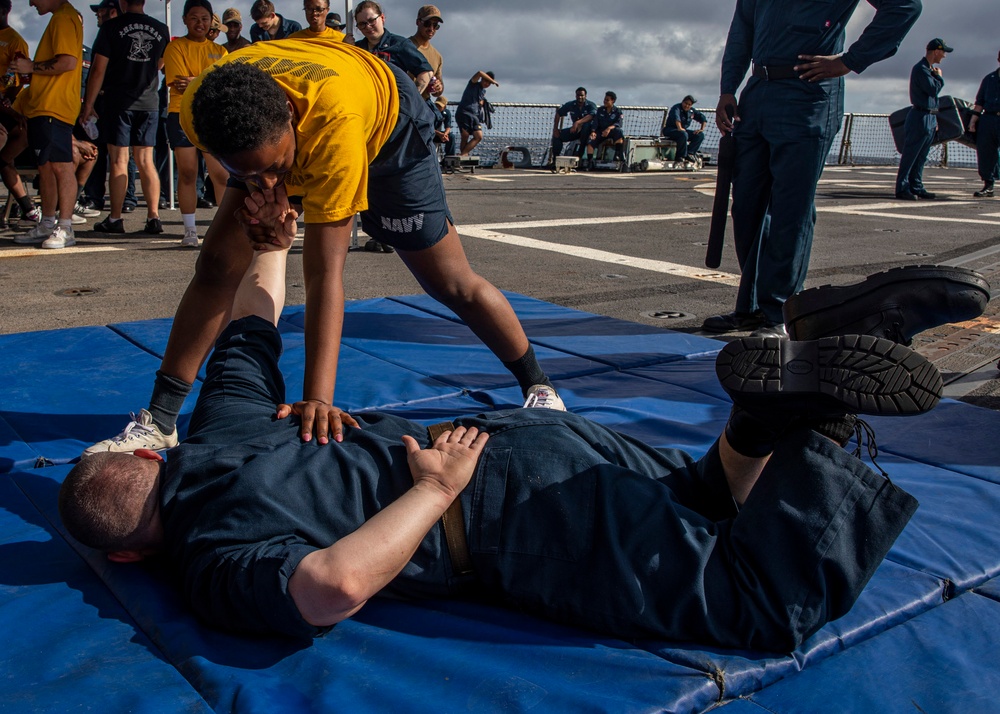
x,y
125,556
147,454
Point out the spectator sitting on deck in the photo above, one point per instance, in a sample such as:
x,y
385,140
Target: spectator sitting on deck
x,y
606,126
676,129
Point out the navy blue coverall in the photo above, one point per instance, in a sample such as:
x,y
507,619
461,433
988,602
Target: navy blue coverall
x,y
919,128
688,141
575,111
787,127
565,518
988,129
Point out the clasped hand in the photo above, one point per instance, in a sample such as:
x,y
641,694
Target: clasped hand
x,y
268,219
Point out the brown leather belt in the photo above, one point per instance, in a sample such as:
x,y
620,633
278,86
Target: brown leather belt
x,y
773,72
453,521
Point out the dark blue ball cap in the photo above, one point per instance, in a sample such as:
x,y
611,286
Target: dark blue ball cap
x,y
938,44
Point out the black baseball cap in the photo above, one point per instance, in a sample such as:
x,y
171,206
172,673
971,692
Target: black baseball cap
x,y
938,44
333,20
105,4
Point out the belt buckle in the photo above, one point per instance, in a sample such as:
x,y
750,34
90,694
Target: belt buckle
x,y
767,77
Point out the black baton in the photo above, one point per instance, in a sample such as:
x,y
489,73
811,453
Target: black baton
x,y
724,179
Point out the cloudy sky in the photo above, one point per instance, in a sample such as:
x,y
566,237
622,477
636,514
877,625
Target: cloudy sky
x,y
650,52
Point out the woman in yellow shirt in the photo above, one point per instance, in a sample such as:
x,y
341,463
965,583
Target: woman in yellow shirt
x,y
184,59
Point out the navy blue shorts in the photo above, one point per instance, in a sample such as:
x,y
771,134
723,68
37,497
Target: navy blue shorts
x,y
51,140
130,128
406,202
468,123
175,134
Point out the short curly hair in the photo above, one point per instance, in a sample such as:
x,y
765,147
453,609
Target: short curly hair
x,y
237,108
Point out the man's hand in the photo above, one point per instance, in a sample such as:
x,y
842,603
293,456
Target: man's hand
x,y
22,65
813,68
268,219
326,420
722,119
179,84
450,461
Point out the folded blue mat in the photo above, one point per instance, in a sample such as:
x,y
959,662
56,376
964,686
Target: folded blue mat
x,y
83,632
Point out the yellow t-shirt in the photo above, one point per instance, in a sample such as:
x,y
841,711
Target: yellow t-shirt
x,y
186,58
58,95
10,44
327,33
347,105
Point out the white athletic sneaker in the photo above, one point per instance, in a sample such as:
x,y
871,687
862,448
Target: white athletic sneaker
x,y
32,216
60,238
190,239
77,219
35,236
141,433
542,396
79,210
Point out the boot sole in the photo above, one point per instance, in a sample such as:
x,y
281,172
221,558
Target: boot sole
x,y
809,305
848,374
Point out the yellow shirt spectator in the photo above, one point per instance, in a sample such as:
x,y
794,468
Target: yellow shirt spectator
x,y
58,95
187,58
346,105
10,44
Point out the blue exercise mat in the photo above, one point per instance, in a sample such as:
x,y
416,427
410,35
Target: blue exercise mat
x,y
82,632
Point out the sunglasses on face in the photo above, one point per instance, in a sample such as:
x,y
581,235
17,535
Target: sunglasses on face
x,y
362,24
431,23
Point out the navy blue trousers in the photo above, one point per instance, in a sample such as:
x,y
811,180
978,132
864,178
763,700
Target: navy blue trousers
x,y
566,135
688,142
919,131
782,141
988,147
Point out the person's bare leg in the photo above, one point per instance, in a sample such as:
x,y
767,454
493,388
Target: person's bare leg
x,y
48,188
117,178
473,141
445,274
65,174
741,471
186,158
149,178
204,310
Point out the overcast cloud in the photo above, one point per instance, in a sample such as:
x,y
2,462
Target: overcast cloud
x,y
650,52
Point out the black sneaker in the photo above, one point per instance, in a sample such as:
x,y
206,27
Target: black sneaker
x,y
128,208
985,192
110,225
926,195
153,226
896,304
848,374
734,322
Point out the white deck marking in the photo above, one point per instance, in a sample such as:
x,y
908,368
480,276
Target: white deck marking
x,y
37,252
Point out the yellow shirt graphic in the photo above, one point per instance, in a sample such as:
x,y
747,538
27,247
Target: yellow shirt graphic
x,y
347,104
58,95
186,58
326,33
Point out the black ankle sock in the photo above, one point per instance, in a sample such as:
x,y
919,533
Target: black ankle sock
x,y
527,371
168,398
838,429
752,435
26,205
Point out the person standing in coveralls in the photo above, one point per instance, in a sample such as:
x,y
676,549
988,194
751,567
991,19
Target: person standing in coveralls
x,y
925,86
787,118
986,124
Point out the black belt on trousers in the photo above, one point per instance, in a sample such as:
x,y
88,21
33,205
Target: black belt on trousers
x,y
453,521
992,114
770,73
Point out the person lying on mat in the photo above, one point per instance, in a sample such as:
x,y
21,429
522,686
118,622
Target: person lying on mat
x,y
345,133
757,544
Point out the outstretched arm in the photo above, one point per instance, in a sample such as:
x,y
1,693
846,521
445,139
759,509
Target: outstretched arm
x,y
332,584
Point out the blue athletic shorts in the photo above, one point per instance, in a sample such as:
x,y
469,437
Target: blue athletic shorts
x,y
406,202
51,140
175,134
130,128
